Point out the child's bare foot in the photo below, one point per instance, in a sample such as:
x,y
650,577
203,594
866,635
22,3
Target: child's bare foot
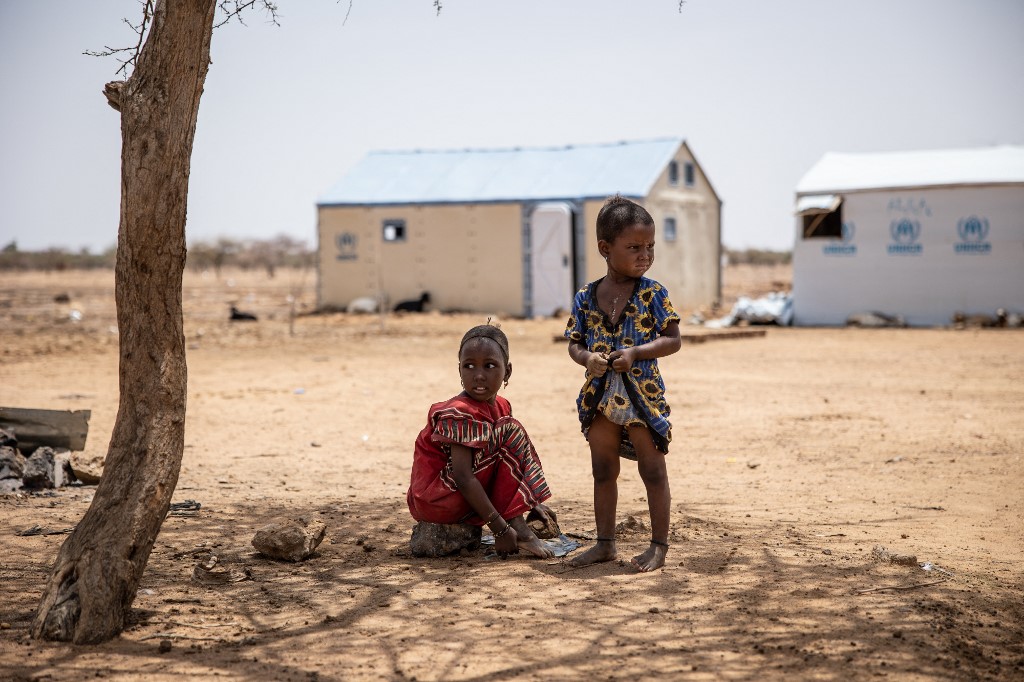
x,y
604,550
652,559
528,540
535,547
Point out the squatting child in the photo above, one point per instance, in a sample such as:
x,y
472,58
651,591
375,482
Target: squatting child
x,y
619,326
473,462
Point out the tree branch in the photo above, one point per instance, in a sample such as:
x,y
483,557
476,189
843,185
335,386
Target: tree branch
x,y
233,9
133,51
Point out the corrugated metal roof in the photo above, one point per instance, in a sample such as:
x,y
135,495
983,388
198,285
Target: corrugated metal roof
x,y
836,172
488,175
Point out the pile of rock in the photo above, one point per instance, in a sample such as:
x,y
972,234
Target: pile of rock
x,y
44,467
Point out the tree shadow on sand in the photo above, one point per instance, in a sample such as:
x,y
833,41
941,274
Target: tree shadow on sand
x,y
736,601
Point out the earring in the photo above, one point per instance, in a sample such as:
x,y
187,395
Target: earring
x,y
506,383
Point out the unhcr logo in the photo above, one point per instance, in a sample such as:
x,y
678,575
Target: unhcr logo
x,y
905,233
346,245
845,247
972,232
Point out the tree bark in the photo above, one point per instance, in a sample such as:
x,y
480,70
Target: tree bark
x,y
99,567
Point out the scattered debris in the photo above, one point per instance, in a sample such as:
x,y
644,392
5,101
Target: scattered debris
x,y
775,308
40,530
185,508
207,573
1001,318
883,555
442,539
290,540
875,320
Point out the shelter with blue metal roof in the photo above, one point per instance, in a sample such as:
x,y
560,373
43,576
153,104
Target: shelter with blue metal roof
x,y
511,231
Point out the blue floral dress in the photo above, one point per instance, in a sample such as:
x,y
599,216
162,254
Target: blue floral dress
x,y
635,397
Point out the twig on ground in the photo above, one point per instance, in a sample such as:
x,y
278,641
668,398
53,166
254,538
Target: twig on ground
x,y
190,625
902,587
174,635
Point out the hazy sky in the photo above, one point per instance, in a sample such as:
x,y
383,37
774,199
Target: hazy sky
x,y
759,89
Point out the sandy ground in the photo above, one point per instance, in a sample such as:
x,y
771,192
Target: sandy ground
x,y
795,454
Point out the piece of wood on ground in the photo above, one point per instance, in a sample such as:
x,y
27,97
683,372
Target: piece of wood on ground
x,y
54,428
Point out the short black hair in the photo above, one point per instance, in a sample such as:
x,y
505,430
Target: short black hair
x,y
617,214
487,331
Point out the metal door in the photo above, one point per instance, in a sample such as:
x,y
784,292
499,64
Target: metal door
x,y
551,280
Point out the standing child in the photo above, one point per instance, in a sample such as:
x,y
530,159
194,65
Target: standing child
x,y
623,322
473,462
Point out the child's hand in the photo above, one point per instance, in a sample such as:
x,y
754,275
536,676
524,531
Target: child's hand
x,y
597,364
622,360
508,543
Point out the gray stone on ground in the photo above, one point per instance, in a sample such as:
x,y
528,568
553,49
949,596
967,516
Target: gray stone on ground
x,y
437,539
12,463
289,539
46,468
9,485
8,439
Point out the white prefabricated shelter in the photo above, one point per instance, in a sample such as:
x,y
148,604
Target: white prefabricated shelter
x,y
511,231
922,235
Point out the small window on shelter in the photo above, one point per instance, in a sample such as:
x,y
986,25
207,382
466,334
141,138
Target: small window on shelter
x,y
673,173
394,231
821,216
688,174
670,229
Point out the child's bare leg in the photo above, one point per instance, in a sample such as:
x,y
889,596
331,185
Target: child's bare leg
x,y
604,439
528,540
653,472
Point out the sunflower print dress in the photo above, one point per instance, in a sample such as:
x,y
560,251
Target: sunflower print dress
x,y
635,397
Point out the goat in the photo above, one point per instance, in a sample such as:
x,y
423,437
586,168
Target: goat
x,y
365,304
414,306
239,316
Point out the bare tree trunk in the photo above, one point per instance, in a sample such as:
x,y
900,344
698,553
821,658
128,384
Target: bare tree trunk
x,y
100,565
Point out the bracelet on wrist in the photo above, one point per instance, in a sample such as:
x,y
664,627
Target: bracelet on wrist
x,y
492,518
503,531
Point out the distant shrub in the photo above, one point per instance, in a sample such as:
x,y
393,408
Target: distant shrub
x,y
758,257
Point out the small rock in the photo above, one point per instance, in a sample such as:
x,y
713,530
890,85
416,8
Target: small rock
x,y
654,609
165,646
10,485
12,462
827,551
884,555
439,539
46,468
545,529
8,439
87,470
290,540
631,526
